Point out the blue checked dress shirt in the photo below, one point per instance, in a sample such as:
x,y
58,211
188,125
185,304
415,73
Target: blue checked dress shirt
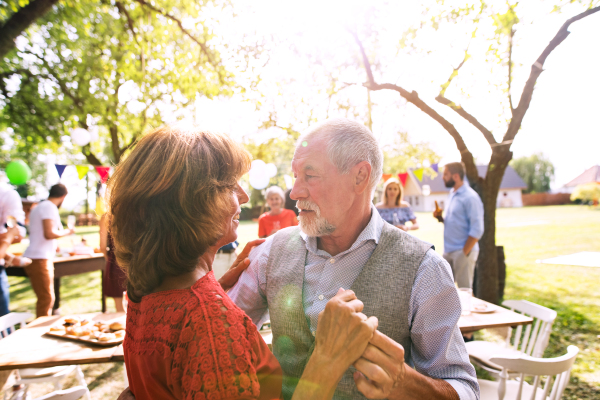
x,y
438,349
464,218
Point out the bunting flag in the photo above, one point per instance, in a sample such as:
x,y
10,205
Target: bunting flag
x,y
403,177
435,167
103,172
60,168
82,170
385,177
418,174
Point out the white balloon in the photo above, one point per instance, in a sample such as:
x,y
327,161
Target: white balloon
x,y
271,170
257,164
80,136
259,182
289,183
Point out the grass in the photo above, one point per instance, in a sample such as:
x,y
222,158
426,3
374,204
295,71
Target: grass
x,y
527,234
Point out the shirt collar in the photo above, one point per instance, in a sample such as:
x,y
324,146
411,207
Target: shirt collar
x,y
460,189
371,232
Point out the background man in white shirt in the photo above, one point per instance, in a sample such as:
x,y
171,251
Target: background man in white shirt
x,y
44,228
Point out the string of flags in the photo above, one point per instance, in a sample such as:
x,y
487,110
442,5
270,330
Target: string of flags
x,y
418,173
82,171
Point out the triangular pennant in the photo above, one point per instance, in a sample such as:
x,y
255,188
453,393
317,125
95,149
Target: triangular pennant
x,y
103,172
82,170
403,177
385,177
419,174
435,167
60,168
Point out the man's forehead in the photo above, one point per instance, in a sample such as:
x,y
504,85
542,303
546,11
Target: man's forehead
x,y
310,155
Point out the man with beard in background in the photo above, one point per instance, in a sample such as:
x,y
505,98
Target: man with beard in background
x,y
463,225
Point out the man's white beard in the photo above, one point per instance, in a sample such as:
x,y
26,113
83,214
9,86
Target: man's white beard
x,y
315,225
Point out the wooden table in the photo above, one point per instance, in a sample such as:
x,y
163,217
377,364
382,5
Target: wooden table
x,y
65,266
30,348
501,318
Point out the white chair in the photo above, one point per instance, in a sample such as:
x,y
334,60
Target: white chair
x,y
73,393
551,376
531,341
28,376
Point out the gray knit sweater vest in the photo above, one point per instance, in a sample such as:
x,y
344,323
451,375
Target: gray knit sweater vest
x,y
384,286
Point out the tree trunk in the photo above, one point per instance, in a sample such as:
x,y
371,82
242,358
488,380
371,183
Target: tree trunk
x,y
20,21
487,274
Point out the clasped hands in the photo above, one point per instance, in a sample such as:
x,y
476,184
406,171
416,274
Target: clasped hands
x,y
347,337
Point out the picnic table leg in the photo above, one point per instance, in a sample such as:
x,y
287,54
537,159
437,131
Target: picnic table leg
x,y
103,295
55,308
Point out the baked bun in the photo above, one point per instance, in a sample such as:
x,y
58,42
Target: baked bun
x,y
116,326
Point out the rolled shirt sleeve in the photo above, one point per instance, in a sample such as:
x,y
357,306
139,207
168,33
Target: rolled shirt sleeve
x,y
475,213
249,291
438,349
12,206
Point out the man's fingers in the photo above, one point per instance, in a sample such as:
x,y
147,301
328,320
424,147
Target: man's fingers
x,y
373,322
367,388
356,305
372,371
393,366
346,295
387,345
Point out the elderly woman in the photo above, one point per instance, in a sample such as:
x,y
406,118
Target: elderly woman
x,y
277,217
173,202
393,209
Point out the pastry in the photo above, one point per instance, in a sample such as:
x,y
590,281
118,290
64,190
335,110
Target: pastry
x,y
119,334
72,331
84,332
71,321
116,326
106,337
84,322
57,328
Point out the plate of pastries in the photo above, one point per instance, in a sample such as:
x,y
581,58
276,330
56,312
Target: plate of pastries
x,y
103,333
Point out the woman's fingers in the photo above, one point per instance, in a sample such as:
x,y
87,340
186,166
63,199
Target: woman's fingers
x,y
249,246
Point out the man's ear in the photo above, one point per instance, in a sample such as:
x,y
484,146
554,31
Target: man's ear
x,y
362,175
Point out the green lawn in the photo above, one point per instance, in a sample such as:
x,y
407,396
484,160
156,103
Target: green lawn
x,y
527,234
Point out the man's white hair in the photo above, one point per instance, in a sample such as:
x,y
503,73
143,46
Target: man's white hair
x,y
348,143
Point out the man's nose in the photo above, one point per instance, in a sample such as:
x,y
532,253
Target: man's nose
x,y
298,193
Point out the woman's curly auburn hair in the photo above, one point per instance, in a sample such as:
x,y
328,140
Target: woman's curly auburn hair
x,y
168,202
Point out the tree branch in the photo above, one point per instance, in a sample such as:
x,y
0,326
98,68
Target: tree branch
x,y
20,21
185,32
510,48
413,97
463,113
122,9
536,70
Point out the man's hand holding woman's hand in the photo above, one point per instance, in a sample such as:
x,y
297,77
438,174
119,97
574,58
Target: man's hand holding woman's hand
x,y
230,278
381,369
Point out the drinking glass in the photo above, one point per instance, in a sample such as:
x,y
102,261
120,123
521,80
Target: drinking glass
x,y
465,295
71,221
125,301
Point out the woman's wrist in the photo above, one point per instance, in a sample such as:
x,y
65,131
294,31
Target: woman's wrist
x,y
320,378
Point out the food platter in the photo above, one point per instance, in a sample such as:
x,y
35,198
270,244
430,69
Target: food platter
x,y
100,333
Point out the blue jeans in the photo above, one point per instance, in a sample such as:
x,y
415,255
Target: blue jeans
x,y
4,293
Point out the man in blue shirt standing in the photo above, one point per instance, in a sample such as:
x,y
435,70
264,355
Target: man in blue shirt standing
x,y
463,225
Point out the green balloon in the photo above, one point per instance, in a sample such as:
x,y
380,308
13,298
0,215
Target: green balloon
x,y
18,172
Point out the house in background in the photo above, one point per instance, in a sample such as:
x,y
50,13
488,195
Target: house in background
x,y
509,195
591,175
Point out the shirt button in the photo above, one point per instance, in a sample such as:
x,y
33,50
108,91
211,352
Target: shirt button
x,y
321,297
314,333
332,261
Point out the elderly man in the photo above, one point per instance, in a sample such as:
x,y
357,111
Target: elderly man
x,y
418,352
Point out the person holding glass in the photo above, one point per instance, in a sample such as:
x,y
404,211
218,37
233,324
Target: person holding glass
x,y
277,217
393,209
44,228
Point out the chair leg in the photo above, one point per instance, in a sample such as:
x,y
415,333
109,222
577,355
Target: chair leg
x,y
82,382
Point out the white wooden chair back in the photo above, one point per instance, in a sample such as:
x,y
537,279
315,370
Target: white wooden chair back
x,y
9,322
534,338
555,372
73,393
